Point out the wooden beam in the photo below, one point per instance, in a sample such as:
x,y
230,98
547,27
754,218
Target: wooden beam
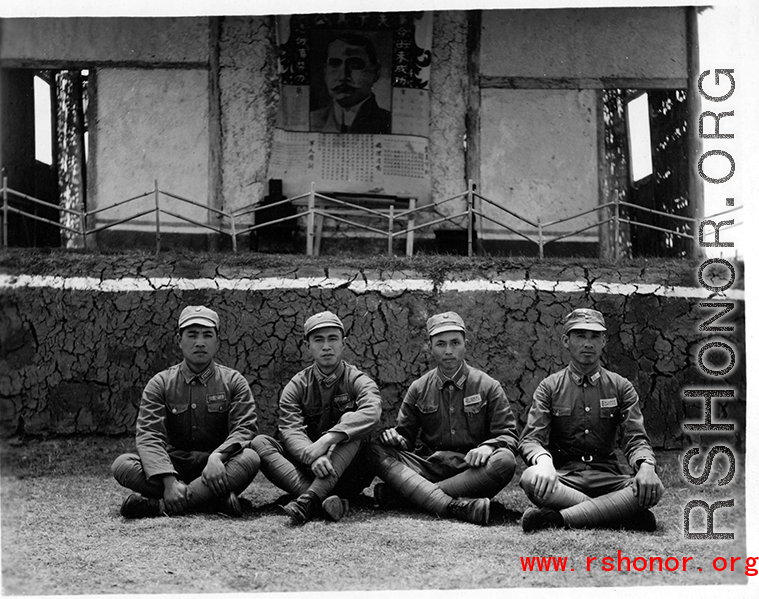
x,y
473,113
500,82
694,145
215,190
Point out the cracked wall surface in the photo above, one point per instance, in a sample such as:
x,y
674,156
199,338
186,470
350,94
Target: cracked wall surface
x,y
74,360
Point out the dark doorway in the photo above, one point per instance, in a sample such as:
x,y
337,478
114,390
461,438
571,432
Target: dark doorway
x,y
647,165
43,152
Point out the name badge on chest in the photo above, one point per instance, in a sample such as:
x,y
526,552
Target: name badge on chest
x,y
472,404
609,403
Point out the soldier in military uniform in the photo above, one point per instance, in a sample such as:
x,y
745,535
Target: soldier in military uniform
x,y
467,435
570,437
326,412
194,427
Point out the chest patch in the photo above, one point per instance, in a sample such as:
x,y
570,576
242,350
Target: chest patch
x,y
609,403
472,400
216,397
344,402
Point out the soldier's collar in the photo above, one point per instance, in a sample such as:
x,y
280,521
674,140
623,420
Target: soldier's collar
x,y
458,378
327,380
203,377
579,378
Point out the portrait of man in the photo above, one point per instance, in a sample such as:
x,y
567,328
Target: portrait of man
x,y
343,87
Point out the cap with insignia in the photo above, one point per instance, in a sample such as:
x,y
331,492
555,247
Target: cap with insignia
x,y
585,319
322,320
198,315
442,323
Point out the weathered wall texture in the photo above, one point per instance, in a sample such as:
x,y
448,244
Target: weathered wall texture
x,y
249,97
449,89
152,125
76,361
585,43
89,41
539,157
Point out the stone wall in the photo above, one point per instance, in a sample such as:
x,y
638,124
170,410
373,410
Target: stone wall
x,y
75,355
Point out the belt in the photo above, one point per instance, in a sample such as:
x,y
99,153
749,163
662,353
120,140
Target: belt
x,y
587,458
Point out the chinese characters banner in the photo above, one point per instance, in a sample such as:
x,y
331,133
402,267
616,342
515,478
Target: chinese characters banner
x,y
354,104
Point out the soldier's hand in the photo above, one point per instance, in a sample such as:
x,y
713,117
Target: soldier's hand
x,y
174,496
316,450
479,456
322,467
391,437
545,478
647,487
215,475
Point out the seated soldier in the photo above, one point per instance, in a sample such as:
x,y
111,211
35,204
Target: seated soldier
x,y
326,412
194,427
467,432
570,437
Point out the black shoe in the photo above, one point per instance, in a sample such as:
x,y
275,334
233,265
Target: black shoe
x,y
335,508
137,506
476,511
301,510
644,521
230,506
539,518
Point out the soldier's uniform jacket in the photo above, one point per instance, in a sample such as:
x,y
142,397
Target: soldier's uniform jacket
x,y
575,416
347,401
211,411
473,412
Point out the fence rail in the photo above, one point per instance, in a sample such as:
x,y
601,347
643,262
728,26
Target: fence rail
x,y
314,205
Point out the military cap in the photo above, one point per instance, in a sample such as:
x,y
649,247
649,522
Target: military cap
x,y
198,315
322,320
442,323
585,319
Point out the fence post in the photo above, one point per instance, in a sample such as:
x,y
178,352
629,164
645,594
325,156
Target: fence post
x,y
540,239
615,241
5,211
157,218
83,226
409,228
310,223
234,231
469,202
390,231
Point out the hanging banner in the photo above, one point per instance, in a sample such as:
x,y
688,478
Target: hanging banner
x,y
354,104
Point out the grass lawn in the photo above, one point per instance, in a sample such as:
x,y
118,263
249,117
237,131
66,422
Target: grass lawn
x,y
62,534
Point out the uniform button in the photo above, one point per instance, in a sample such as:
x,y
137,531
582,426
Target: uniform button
x,y
192,383
587,409
194,406
586,431
174,410
453,432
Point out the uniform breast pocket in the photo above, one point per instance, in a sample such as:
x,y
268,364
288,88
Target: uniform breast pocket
x,y
217,403
177,408
428,406
609,407
344,402
561,411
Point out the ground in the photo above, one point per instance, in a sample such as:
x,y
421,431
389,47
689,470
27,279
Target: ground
x,y
62,534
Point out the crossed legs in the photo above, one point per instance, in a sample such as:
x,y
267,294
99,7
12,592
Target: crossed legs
x,y
585,498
